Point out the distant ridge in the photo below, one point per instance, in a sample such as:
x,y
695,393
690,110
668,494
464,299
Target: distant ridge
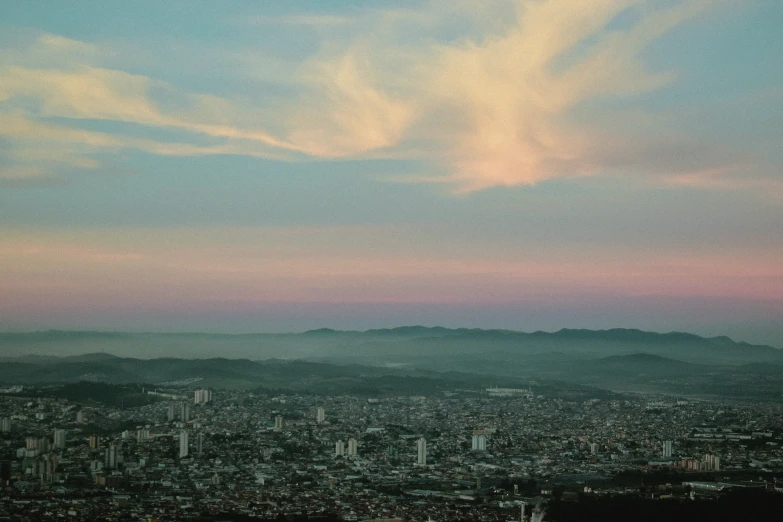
x,y
409,359
618,334
404,342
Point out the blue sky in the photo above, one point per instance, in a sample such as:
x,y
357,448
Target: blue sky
x,y
246,166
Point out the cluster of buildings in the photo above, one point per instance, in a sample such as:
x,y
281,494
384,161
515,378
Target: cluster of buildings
x,y
459,455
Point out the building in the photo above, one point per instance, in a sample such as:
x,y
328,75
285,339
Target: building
x,y
479,443
183,444
184,411
43,468
179,410
710,462
5,424
320,415
339,448
95,442
200,443
594,447
80,417
113,456
35,443
667,448
202,396
689,464
353,447
421,452
59,439
509,392
279,422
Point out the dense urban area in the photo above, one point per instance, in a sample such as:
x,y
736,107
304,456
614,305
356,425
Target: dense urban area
x,y
200,454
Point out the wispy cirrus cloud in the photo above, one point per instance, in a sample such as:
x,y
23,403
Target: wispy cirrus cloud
x,y
496,109
44,109
493,103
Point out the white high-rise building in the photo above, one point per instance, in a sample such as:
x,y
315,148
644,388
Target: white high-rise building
x,y
353,447
183,444
320,415
666,449
339,448
202,396
5,424
200,443
113,455
279,422
35,443
184,411
421,452
80,417
710,462
59,439
44,467
179,410
594,447
479,443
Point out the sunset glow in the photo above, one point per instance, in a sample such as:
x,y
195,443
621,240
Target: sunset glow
x,y
280,166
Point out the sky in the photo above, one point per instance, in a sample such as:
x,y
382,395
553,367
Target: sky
x,y
268,166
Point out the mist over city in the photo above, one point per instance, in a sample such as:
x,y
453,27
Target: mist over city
x,y
411,261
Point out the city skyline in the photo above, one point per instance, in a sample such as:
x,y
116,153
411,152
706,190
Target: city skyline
x,y
278,167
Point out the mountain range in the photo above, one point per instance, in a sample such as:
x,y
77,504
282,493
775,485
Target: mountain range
x,y
406,341
417,357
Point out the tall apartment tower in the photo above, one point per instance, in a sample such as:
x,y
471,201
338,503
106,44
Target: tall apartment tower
x,y
200,443
95,442
666,449
59,439
184,411
339,448
320,415
202,396
172,411
183,444
47,466
479,443
41,444
279,422
5,424
710,462
353,447
421,452
80,417
113,455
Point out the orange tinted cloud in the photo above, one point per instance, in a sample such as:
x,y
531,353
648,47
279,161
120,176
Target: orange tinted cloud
x,y
493,108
